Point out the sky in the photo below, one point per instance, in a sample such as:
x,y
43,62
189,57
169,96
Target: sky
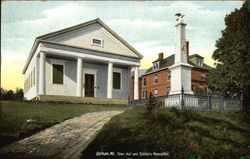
x,y
147,25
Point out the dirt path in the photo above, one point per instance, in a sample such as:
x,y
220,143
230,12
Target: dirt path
x,y
65,140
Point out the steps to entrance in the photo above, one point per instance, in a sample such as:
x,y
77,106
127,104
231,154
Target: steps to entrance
x,y
86,100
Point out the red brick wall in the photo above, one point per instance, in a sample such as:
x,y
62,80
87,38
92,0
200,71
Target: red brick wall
x,y
161,86
195,76
163,82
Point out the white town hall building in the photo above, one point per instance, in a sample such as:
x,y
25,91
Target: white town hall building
x,y
85,60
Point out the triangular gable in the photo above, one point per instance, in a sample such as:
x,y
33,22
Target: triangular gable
x,y
82,35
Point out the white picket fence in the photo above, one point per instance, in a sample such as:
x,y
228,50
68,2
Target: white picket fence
x,y
194,102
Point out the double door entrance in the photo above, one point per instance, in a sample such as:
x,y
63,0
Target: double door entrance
x,y
89,85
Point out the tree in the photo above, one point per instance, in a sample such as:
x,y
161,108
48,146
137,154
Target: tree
x,y
9,95
3,93
232,74
18,94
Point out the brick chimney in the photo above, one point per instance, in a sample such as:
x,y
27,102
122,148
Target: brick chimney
x,y
187,48
160,56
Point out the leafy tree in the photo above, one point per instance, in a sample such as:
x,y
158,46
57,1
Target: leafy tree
x,y
3,93
232,74
9,95
18,94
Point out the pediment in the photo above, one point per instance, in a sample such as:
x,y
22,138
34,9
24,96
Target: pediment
x,y
89,36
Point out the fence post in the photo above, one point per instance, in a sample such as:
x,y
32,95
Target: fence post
x,y
182,98
128,102
209,103
241,102
222,103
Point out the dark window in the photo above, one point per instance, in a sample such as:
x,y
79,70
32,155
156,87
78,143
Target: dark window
x,y
155,65
144,94
97,41
155,79
116,80
169,75
168,90
144,82
57,74
202,76
199,61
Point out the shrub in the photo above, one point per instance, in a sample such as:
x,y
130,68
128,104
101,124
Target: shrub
x,y
200,91
152,103
11,95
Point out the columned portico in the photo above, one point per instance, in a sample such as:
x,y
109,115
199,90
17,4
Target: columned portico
x,y
76,62
79,83
42,73
110,80
136,85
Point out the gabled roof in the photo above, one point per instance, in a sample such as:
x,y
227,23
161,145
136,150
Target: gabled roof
x,y
141,72
164,64
195,55
169,61
97,20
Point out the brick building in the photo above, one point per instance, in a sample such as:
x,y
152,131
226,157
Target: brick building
x,y
176,72
157,79
141,72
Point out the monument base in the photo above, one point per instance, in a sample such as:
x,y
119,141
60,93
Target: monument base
x,y
179,92
181,78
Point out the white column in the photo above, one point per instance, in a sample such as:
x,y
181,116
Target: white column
x,y
181,70
136,85
110,80
180,43
79,82
42,73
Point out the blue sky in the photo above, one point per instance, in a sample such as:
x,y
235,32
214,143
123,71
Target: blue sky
x,y
148,25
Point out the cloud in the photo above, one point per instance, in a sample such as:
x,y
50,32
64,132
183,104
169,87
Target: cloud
x,y
154,50
148,26
53,19
67,9
139,23
17,37
146,44
57,14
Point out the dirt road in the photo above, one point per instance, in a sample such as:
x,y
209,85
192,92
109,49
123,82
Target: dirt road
x,y
65,140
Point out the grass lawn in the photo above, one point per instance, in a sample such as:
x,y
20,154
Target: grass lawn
x,y
181,133
13,125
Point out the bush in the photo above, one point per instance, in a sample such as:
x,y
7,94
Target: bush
x,y
200,91
152,103
11,95
18,94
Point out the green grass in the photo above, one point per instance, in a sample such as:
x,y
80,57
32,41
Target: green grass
x,y
13,125
182,133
